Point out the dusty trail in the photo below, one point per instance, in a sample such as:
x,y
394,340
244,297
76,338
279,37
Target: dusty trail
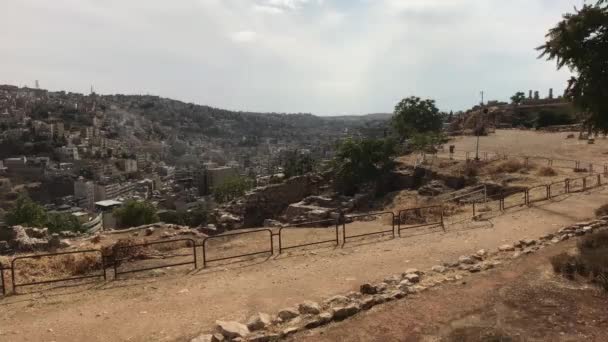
x,y
178,305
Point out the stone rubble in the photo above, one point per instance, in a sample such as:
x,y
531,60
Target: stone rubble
x,y
310,315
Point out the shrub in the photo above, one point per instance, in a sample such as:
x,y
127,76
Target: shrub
x,y
135,213
564,264
470,170
510,166
591,261
602,211
547,171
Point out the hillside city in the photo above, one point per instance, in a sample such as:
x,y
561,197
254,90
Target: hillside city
x,y
131,217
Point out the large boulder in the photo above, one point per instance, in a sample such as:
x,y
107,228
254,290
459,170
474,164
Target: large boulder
x,y
258,321
231,329
309,308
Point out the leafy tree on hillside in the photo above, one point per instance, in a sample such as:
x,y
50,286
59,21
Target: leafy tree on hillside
x,y
362,161
58,222
231,189
26,212
134,213
518,98
297,164
580,42
414,115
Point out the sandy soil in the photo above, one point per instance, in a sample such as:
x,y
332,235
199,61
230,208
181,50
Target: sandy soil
x,y
532,143
177,305
520,301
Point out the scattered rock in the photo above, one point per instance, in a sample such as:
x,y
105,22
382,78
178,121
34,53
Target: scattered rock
x,y
231,329
367,303
337,300
263,337
506,248
392,280
412,277
380,288
203,338
439,269
413,270
149,231
288,314
258,321
310,308
466,260
289,331
528,242
341,313
475,268
368,289
482,253
404,285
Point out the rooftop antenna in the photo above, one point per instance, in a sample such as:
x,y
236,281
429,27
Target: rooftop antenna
x,y
37,84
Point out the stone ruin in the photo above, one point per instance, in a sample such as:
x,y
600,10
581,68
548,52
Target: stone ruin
x,y
316,208
267,202
29,239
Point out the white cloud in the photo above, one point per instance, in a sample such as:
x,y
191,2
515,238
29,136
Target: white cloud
x,y
243,36
326,57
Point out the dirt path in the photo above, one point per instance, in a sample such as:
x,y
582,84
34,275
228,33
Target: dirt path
x,y
520,142
178,305
521,301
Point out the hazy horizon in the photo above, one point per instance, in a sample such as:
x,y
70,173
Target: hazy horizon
x,y
325,57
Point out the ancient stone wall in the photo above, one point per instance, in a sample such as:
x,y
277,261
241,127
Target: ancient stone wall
x,y
267,202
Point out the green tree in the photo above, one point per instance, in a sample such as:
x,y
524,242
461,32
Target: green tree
x,y
518,98
58,222
362,161
134,213
426,142
580,42
26,212
231,189
297,164
414,115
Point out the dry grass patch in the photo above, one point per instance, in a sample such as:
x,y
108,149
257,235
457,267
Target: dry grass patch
x,y
591,262
602,211
510,166
546,171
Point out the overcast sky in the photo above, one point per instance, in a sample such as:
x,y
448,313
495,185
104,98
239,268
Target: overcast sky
x,y
326,57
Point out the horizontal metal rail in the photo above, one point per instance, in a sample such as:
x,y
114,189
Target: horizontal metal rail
x,y
546,192
428,224
333,222
204,245
118,262
345,237
49,255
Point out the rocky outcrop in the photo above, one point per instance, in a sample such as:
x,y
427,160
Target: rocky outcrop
x,y
267,202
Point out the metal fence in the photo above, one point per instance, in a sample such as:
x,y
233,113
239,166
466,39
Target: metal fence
x,y
206,247
420,217
296,228
99,263
558,188
369,225
124,254
2,283
538,194
363,229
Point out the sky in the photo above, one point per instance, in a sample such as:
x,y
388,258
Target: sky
x,y
326,57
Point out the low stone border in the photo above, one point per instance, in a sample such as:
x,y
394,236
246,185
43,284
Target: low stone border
x,y
309,315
